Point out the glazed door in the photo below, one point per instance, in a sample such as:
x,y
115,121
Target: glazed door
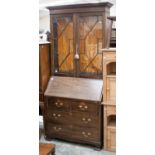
x,y
90,42
77,40
63,54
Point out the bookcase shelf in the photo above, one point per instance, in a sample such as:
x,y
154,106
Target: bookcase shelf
x,y
111,120
111,68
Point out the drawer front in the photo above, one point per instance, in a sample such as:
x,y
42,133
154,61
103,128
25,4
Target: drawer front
x,y
86,134
85,107
73,133
57,116
86,120
58,104
54,130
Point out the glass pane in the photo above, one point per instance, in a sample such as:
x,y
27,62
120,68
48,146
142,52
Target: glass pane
x,y
90,44
63,44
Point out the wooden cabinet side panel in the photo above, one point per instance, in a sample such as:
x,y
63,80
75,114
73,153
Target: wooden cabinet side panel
x,y
44,63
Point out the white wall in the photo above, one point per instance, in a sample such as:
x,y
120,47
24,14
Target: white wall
x,y
44,19
44,22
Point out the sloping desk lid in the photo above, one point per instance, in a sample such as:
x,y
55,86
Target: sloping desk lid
x,y
75,88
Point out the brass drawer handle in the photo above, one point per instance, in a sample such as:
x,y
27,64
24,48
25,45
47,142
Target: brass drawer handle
x,y
59,115
59,104
86,134
83,107
89,119
86,120
57,128
56,115
86,107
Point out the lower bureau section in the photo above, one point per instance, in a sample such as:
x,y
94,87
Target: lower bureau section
x,y
85,135
73,110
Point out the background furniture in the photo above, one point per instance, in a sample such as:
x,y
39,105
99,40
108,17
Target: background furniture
x,y
46,149
44,70
109,99
78,32
73,110
112,32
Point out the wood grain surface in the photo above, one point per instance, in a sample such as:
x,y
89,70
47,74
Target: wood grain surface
x,y
46,149
79,88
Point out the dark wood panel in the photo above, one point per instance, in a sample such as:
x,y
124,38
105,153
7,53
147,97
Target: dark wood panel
x,y
44,63
58,117
86,5
73,133
55,130
86,119
91,7
86,134
44,71
58,104
82,106
79,88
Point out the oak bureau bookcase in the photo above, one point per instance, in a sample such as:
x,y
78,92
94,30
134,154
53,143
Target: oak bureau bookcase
x,y
78,32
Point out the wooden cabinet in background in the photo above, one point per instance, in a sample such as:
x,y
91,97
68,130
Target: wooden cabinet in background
x,y
109,99
44,70
109,76
78,33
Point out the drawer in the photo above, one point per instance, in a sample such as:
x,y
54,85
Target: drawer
x,y
57,116
86,134
82,106
58,104
54,130
87,120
